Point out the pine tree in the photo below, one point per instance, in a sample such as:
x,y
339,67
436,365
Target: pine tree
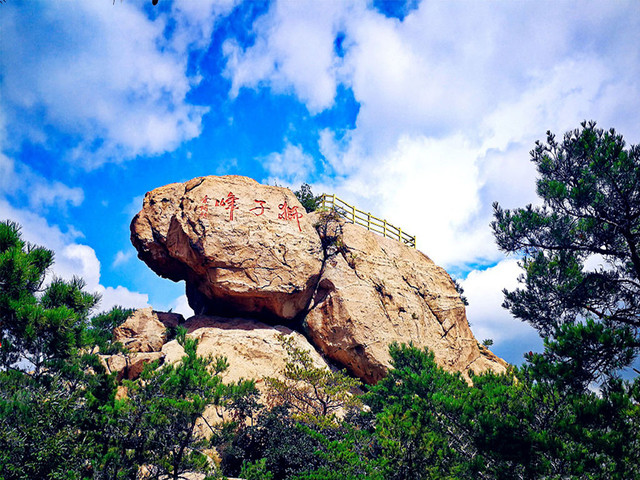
x,y
589,184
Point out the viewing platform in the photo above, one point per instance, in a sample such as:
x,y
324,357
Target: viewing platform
x,y
365,219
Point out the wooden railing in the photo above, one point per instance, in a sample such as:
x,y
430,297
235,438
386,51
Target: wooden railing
x,y
365,219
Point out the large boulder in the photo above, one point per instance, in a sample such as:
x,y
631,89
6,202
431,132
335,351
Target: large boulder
x,y
129,365
374,291
241,247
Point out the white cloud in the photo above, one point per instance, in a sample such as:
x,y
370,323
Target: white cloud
x,y
134,206
181,305
7,173
121,296
294,52
104,75
488,319
196,20
55,193
71,258
428,187
122,258
291,167
42,194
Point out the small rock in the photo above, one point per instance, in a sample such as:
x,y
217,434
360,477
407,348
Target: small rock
x,y
146,330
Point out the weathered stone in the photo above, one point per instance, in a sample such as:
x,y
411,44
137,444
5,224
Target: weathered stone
x,y
240,246
129,366
137,361
145,330
252,348
374,291
173,351
245,248
117,364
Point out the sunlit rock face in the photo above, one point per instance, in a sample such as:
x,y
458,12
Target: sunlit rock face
x,y
249,250
241,247
374,291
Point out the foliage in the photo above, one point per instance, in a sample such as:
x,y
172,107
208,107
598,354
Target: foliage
x,y
590,187
48,388
309,201
38,325
256,470
100,329
412,424
314,393
45,429
294,437
432,424
155,425
460,290
60,416
349,456
277,438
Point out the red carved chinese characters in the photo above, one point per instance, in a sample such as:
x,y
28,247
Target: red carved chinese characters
x,y
261,208
289,213
229,203
203,208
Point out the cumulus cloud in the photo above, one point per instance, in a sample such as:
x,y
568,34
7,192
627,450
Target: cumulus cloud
x,y
113,81
291,167
181,305
121,296
483,289
122,257
71,258
294,52
41,193
195,22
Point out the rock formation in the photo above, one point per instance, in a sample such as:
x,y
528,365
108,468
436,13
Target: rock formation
x,y
252,348
249,250
241,247
374,291
146,330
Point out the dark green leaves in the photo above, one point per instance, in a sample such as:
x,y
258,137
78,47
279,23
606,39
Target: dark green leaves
x,y
581,247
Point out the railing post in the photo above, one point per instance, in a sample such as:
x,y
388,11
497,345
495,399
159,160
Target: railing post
x,y
388,230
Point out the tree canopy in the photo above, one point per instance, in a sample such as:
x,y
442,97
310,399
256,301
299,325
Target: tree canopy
x,y
580,253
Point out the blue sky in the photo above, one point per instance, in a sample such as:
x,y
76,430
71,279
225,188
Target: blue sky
x,y
421,112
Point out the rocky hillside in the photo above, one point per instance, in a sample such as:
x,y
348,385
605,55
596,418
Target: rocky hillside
x,y
255,263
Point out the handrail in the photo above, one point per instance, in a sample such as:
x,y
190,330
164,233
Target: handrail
x,y
365,219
